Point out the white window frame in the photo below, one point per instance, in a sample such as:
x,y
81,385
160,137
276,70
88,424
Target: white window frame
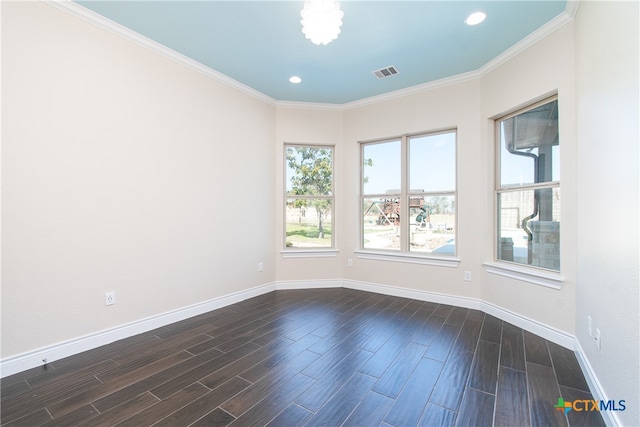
x,y
404,254
315,251
524,272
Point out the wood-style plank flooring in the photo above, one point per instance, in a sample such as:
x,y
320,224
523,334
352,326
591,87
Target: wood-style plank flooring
x,y
327,357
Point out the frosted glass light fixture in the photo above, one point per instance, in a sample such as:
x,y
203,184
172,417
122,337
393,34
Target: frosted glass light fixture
x,y
321,20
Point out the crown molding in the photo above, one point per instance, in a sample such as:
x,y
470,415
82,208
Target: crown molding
x,y
125,33
100,21
550,27
309,105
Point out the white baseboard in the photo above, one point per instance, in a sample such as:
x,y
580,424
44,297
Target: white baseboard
x,y
610,417
545,331
309,284
31,359
19,363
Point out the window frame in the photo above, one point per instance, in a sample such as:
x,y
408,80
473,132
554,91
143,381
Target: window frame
x,y
311,250
534,274
403,253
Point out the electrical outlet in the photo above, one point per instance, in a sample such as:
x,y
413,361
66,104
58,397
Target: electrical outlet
x,y
260,266
349,262
589,326
598,339
467,276
109,298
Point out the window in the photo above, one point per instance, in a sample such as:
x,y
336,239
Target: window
x,y
408,196
309,197
528,187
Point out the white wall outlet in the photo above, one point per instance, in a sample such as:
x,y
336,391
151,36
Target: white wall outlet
x,y
597,338
109,298
589,326
260,266
349,262
467,276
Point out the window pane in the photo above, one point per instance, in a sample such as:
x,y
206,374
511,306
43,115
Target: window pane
x,y
380,223
309,170
381,168
529,147
432,224
432,163
308,223
529,227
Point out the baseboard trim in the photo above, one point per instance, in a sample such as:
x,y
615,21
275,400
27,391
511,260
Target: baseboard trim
x,y
22,362
32,359
610,417
545,331
309,284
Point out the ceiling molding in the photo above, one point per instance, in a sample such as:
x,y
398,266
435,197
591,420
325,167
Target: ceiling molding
x,y
533,38
310,105
572,8
424,87
100,21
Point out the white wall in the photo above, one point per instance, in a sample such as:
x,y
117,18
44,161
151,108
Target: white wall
x,y
455,106
607,100
306,126
122,171
543,69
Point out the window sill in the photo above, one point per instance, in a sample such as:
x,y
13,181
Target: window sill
x,y
530,275
409,258
309,253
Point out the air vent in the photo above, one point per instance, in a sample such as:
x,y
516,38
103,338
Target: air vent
x,y
385,72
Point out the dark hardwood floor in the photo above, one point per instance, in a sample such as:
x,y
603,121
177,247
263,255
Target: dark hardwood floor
x,y
326,357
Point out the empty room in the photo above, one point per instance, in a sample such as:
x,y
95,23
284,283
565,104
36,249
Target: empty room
x,y
288,213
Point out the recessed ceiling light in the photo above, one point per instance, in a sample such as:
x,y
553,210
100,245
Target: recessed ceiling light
x,y
295,79
475,18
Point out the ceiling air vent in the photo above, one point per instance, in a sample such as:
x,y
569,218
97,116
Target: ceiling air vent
x,y
385,72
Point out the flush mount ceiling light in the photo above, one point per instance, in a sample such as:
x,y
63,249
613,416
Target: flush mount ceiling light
x,y
475,18
295,79
321,20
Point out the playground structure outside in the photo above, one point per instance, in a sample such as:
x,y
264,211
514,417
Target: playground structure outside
x,y
429,233
435,235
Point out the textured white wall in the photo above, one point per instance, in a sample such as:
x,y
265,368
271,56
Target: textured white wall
x,y
607,99
122,171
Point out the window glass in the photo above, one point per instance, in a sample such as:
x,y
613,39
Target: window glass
x,y
381,168
528,191
530,149
309,197
419,213
430,162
